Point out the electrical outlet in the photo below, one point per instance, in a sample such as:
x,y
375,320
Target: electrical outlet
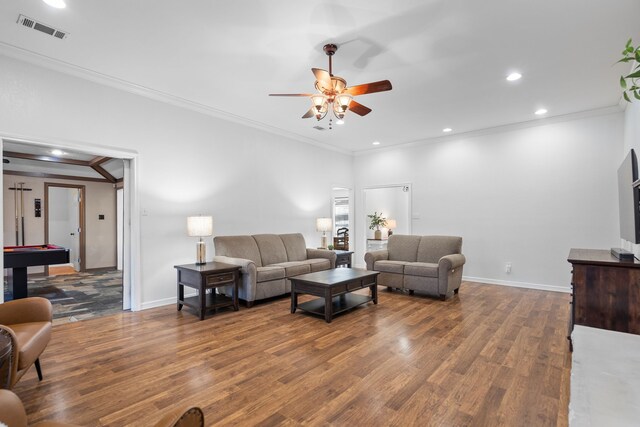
x,y
507,268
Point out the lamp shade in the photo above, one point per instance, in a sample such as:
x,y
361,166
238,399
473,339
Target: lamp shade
x,y
391,224
323,224
200,226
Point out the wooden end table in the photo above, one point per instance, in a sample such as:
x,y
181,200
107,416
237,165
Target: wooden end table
x,y
343,258
211,275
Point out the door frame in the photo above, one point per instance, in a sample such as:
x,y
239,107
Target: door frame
x,y
132,273
81,206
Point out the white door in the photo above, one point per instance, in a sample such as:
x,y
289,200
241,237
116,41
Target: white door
x,y
64,221
74,227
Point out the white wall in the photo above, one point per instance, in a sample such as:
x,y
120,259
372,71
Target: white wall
x,y
100,235
520,195
188,163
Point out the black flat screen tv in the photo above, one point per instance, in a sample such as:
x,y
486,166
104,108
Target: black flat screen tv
x,y
629,198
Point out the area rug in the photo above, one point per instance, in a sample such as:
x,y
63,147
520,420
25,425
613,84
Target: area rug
x,y
79,296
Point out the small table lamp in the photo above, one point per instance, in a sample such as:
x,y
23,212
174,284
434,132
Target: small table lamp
x,y
324,225
200,226
391,224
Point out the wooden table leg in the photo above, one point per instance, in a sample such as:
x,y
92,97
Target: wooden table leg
x,y
374,292
294,298
328,305
203,299
180,293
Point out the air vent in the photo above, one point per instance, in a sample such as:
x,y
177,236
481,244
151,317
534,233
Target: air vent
x,y
319,128
43,28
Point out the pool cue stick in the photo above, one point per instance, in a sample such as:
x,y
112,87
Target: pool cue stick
x,y
22,209
15,200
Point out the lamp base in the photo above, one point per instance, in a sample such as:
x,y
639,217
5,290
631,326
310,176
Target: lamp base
x,y
323,242
201,253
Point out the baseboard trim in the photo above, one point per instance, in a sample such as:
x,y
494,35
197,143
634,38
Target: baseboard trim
x,y
538,286
164,301
98,269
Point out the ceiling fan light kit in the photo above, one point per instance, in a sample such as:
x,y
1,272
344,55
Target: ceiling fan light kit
x,y
333,90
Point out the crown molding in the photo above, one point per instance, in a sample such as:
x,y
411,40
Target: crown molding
x,y
604,111
50,63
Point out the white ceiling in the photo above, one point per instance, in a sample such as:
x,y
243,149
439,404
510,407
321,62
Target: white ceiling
x,y
447,59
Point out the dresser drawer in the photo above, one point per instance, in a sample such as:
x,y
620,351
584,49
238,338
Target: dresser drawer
x,y
220,278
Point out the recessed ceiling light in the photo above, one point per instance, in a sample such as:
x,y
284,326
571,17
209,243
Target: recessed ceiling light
x,y
57,152
541,111
447,130
340,122
514,76
58,4
376,142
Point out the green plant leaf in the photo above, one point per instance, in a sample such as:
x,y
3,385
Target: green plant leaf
x,y
623,83
625,60
625,96
637,55
636,95
628,43
634,75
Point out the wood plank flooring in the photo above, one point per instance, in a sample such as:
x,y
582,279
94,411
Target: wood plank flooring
x,y
491,356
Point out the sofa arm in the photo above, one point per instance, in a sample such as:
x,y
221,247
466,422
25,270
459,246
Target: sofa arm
x,y
248,274
450,262
322,253
25,310
371,257
450,273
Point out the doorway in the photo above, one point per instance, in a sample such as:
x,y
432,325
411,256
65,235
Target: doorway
x,y
64,221
392,202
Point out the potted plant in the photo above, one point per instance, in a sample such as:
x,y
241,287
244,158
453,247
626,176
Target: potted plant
x,y
377,221
630,83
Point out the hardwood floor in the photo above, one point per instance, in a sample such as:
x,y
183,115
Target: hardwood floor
x,y
491,356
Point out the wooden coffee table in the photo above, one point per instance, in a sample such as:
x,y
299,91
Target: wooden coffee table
x,y
334,287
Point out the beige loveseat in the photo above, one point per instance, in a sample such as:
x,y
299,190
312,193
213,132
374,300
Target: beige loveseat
x,y
431,264
268,260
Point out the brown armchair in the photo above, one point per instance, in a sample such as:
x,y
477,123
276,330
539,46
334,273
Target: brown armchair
x,y
28,322
12,414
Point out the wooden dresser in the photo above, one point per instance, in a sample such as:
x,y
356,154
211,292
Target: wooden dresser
x,y
606,291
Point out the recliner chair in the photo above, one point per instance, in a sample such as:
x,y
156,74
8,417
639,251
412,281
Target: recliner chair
x,y
28,322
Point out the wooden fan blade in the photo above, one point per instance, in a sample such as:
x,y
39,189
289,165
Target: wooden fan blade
x,y
290,94
323,77
309,113
358,108
374,87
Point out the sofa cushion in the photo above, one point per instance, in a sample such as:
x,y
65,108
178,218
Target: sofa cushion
x,y
295,246
403,247
432,248
390,266
271,248
294,268
264,274
32,338
318,264
423,269
238,247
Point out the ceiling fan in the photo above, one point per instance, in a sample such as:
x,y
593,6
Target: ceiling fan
x,y
333,92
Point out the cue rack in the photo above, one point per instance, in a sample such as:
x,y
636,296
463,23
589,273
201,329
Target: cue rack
x,y
19,210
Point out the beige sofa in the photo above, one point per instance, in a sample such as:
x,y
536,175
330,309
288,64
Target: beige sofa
x,y
430,264
268,260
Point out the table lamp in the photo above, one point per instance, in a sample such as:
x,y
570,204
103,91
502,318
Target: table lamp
x,y
391,224
200,226
324,225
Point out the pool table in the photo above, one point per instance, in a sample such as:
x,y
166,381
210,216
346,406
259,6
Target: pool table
x,y
20,257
